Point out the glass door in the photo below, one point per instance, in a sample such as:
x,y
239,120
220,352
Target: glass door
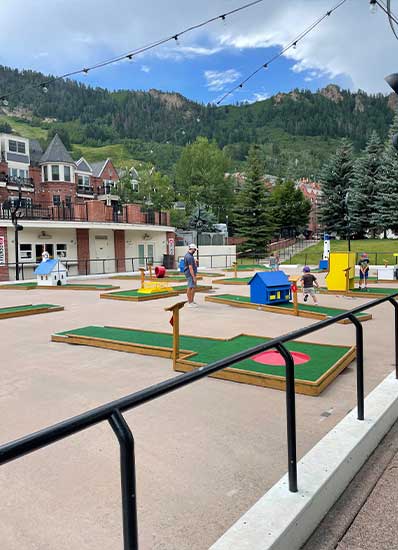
x,y
141,255
150,253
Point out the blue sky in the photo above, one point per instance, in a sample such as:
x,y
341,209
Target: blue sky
x,y
351,48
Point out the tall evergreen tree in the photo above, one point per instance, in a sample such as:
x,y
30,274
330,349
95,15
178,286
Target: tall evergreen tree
x,y
386,202
335,180
364,188
253,217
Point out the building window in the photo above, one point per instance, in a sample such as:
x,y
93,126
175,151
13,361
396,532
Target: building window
x,y
60,250
13,172
68,201
56,200
83,181
16,146
45,173
67,174
55,172
25,251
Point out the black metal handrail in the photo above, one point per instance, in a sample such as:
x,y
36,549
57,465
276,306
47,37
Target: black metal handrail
x,y
112,412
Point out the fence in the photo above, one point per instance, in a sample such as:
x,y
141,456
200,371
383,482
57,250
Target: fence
x,y
99,266
375,258
112,412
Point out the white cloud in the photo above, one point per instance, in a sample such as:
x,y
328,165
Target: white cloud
x,y
351,42
260,96
145,69
217,80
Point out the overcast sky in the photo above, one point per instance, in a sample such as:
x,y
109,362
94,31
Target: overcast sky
x,y
351,48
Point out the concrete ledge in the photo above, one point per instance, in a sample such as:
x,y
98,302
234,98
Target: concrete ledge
x,y
282,520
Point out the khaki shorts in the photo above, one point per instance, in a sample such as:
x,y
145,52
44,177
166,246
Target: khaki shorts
x,y
309,291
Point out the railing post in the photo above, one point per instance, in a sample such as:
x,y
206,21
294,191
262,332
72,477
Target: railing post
x,y
127,478
394,303
290,417
359,354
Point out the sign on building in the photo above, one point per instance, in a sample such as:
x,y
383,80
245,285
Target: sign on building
x,y
171,247
2,251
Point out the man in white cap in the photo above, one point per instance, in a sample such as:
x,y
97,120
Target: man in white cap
x,y
190,270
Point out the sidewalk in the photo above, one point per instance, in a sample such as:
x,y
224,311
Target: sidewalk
x,y
364,518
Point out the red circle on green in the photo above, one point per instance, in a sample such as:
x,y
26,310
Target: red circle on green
x,y
273,357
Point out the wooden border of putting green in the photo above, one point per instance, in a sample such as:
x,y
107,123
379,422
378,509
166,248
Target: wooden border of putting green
x,y
154,296
62,287
25,312
231,281
351,294
282,311
185,364
171,279
274,382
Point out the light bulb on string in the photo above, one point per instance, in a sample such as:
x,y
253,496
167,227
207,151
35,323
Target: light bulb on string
x,y
130,58
294,45
85,72
4,101
44,88
373,7
224,20
176,38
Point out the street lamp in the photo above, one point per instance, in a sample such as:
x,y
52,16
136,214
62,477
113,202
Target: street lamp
x,y
392,81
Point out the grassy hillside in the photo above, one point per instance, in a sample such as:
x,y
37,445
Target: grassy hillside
x,y
23,128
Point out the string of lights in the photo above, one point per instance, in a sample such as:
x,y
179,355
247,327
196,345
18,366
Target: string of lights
x,y
130,54
392,18
290,45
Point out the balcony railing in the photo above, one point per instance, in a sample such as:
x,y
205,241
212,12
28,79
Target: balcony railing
x,y
79,212
17,181
107,190
85,190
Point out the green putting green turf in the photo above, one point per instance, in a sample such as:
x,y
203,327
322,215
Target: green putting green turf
x,y
249,267
135,293
322,357
14,309
238,279
329,311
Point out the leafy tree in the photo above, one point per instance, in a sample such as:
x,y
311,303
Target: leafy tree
x,y
155,190
200,177
364,187
5,128
202,219
179,219
290,207
253,217
386,202
335,180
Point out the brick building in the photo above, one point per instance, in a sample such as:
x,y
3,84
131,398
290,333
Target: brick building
x,y
71,209
312,191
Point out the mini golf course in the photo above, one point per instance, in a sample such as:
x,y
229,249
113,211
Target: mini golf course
x,y
135,296
23,311
304,310
68,286
372,292
316,365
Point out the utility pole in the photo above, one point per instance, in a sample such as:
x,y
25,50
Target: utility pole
x,y
16,214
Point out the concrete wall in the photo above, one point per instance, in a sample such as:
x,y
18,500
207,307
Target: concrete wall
x,y
102,248
211,256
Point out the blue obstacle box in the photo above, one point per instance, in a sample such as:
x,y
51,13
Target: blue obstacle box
x,y
270,288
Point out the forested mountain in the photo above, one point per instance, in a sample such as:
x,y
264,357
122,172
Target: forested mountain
x,y
297,131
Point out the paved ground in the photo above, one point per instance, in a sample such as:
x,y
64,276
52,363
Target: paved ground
x,y
364,518
205,454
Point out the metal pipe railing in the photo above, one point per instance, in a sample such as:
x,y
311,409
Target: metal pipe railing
x,y
112,412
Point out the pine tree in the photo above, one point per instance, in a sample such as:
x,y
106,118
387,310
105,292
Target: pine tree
x,y
386,202
364,187
335,180
253,217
